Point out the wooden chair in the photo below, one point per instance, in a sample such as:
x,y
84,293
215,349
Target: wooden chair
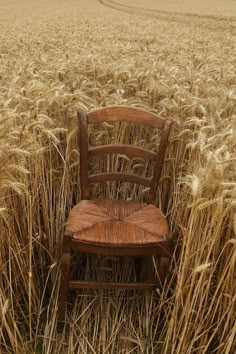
x,y
115,227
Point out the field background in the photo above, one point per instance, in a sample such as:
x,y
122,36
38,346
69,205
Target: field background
x,y
177,60
211,7
24,8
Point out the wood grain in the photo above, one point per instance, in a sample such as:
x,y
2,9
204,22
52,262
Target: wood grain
x,y
119,176
110,285
162,248
123,149
83,147
159,162
125,114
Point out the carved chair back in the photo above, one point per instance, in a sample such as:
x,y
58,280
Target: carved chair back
x,y
121,114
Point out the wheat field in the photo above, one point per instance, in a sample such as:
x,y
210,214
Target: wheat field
x,y
57,57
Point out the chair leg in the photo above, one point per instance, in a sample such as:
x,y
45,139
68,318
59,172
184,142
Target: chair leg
x,y
65,274
164,265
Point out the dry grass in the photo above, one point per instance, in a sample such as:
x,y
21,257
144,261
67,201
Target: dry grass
x,y
179,66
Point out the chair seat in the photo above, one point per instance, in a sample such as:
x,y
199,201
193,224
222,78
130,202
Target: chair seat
x,y
116,222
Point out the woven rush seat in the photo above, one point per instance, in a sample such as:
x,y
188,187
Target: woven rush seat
x,y
118,222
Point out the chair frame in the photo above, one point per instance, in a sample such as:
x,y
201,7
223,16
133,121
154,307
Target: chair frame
x,y
164,249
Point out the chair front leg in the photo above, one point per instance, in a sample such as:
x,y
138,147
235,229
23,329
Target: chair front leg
x,y
65,275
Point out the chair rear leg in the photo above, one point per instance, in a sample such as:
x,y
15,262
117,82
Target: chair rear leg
x,y
65,275
163,268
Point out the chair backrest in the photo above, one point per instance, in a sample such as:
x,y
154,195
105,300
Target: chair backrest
x,y
121,114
